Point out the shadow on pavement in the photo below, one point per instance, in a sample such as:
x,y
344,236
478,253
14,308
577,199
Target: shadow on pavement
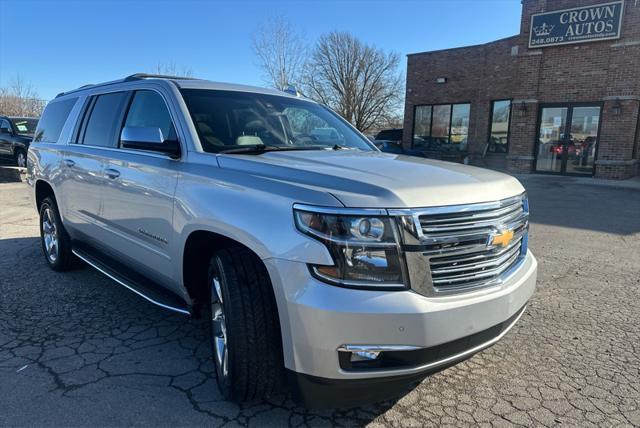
x,y
561,202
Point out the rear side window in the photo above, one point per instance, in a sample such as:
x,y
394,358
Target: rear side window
x,y
104,120
148,109
390,134
53,119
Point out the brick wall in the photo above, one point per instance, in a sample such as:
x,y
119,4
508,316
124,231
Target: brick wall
x,y
596,72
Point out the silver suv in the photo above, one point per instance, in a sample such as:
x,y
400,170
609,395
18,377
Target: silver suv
x,y
315,257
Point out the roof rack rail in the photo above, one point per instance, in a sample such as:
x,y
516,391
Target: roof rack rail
x,y
131,78
140,76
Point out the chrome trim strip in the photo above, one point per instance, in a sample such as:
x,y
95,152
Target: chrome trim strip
x,y
438,363
377,348
447,209
340,210
144,296
358,284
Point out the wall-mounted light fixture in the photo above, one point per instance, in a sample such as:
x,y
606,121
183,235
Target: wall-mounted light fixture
x,y
522,108
617,107
441,80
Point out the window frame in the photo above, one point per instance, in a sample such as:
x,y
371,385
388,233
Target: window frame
x,y
451,104
10,127
493,104
127,109
88,112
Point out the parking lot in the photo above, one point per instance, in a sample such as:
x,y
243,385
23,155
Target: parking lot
x,y
77,349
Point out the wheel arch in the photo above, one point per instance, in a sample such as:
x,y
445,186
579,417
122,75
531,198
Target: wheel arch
x,y
42,190
197,250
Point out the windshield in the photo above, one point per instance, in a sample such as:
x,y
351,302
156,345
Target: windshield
x,y
229,121
24,125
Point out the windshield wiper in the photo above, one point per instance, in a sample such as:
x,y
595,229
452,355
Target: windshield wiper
x,y
263,148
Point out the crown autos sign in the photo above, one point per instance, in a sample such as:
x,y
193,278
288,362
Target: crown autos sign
x,y
578,25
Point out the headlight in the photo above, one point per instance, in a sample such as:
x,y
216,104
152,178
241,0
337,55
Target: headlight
x,y
363,244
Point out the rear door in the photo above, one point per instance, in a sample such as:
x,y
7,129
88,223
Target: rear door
x,y
138,198
83,164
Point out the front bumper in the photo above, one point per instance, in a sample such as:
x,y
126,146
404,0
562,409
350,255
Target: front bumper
x,y
317,319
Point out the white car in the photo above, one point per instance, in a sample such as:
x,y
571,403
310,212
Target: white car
x,y
350,272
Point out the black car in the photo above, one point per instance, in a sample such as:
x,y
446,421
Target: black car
x,y
390,141
16,134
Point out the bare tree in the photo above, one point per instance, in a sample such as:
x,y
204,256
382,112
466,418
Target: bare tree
x,y
171,69
20,98
360,82
281,52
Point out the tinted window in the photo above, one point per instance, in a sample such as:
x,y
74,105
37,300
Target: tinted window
x,y
53,119
4,124
460,125
500,112
390,134
148,109
104,121
25,125
227,120
443,127
421,126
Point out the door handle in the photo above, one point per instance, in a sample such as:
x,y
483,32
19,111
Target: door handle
x,y
112,173
68,162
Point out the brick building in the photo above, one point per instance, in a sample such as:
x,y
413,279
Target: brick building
x,y
561,97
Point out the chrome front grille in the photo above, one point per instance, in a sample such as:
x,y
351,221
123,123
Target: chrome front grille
x,y
462,243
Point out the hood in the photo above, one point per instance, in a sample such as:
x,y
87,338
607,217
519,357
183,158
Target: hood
x,y
379,180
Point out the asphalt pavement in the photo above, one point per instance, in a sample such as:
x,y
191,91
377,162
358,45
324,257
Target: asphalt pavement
x,y
76,349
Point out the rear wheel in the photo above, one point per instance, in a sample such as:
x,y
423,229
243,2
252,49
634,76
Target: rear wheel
x,y
21,158
245,330
56,244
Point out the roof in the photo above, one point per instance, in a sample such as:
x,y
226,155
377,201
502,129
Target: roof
x,y
466,47
187,83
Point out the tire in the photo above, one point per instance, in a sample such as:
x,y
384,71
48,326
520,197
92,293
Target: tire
x,y
243,313
20,158
56,245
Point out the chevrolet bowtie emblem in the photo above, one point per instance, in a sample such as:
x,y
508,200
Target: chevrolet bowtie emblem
x,y
503,238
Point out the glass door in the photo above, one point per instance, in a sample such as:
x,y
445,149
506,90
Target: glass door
x,y
551,137
567,139
583,138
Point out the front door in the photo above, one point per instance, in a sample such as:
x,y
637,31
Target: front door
x,y
567,139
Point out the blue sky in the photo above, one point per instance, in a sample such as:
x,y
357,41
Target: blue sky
x,y
60,45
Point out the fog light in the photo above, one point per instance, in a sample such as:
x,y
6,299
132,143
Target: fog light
x,y
364,356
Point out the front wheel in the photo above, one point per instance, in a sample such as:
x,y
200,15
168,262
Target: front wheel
x,y
244,326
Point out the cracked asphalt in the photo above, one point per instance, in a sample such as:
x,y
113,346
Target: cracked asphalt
x,y
77,349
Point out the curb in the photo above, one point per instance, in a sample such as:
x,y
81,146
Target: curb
x,y
631,183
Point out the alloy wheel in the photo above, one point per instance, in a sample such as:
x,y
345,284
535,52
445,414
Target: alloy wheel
x,y
21,160
50,235
219,327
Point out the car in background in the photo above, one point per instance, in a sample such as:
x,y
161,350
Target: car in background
x,y
16,134
390,141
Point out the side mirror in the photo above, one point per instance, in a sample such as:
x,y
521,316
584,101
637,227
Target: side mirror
x,y
5,131
148,138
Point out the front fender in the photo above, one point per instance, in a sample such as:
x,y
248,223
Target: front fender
x,y
254,211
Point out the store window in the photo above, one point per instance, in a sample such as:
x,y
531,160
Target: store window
x,y
441,127
499,133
